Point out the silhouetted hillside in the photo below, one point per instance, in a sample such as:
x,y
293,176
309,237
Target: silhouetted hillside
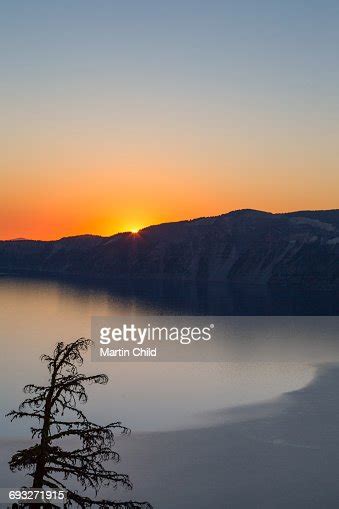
x,y
242,246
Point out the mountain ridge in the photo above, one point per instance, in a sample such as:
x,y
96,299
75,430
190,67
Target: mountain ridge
x,y
242,246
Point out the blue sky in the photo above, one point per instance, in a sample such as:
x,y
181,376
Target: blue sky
x,y
228,94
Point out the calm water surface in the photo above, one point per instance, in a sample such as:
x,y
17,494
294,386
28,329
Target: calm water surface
x,y
34,314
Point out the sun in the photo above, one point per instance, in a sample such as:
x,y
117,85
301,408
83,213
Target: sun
x,y
134,230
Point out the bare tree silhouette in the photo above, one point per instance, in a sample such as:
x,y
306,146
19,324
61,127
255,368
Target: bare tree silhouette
x,y
48,462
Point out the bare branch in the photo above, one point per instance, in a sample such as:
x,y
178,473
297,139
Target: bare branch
x,y
86,462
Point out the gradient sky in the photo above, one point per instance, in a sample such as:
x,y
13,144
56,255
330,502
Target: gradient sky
x,y
116,114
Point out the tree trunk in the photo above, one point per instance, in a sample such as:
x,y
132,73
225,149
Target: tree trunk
x,y
43,456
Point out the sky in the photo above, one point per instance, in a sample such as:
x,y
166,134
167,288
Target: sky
x,y
117,114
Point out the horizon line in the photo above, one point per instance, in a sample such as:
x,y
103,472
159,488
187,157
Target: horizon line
x,y
22,239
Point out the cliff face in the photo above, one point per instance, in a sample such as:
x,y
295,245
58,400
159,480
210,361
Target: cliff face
x,y
244,246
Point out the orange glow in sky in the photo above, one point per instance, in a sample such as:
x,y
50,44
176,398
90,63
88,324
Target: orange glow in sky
x,y
113,118
73,199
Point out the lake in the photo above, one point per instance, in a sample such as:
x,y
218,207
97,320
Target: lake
x,y
162,397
